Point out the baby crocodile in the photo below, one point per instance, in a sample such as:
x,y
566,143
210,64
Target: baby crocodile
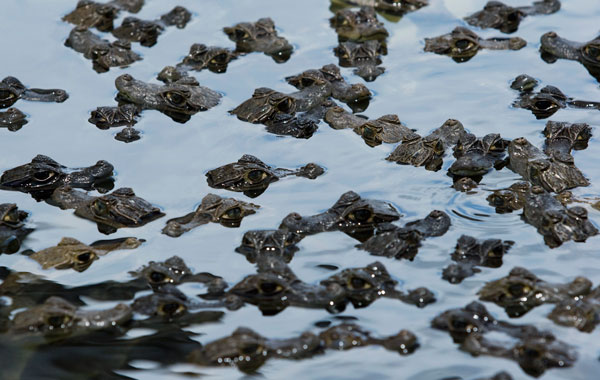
x,y
12,228
121,208
71,253
89,14
260,36
554,47
108,117
471,253
11,90
252,176
257,244
535,351
553,173
43,175
428,151
476,156
229,212
563,137
520,291
248,350
199,58
364,56
101,52
505,18
12,119
392,10
351,214
404,242
179,100
133,29
547,101
462,44
556,223
385,129
361,25
509,199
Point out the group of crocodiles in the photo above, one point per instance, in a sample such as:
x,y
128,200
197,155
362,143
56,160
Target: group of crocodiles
x,y
49,316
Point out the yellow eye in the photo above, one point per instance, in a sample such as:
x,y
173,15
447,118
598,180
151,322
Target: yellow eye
x,y
256,176
360,216
43,175
175,98
158,278
270,288
58,321
285,105
519,290
171,308
232,213
85,257
463,45
100,208
592,52
544,104
357,283
250,349
241,34
11,217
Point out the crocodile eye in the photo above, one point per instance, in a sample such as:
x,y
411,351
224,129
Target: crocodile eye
x,y
285,105
256,176
100,208
497,251
175,98
247,242
241,34
43,175
459,323
464,45
592,52
85,257
98,52
270,288
360,215
11,217
171,308
219,58
513,16
158,278
58,321
357,283
368,132
6,95
519,290
544,104
307,82
250,349
232,213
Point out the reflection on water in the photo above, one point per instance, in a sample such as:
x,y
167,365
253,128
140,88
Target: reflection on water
x,y
168,166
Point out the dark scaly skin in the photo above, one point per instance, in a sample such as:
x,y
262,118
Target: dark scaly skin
x,y
535,351
71,253
108,117
11,90
509,199
404,242
351,214
119,209
57,318
547,101
428,151
358,25
101,52
257,244
462,44
556,223
339,118
582,312
471,253
392,10
248,350
557,173
89,14
477,156
179,100
505,18
133,29
203,57
521,291
252,176
563,137
364,56
43,175
554,47
12,228
229,212
12,119
127,135
260,36
356,96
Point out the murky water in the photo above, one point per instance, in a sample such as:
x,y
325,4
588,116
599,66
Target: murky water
x,y
167,168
